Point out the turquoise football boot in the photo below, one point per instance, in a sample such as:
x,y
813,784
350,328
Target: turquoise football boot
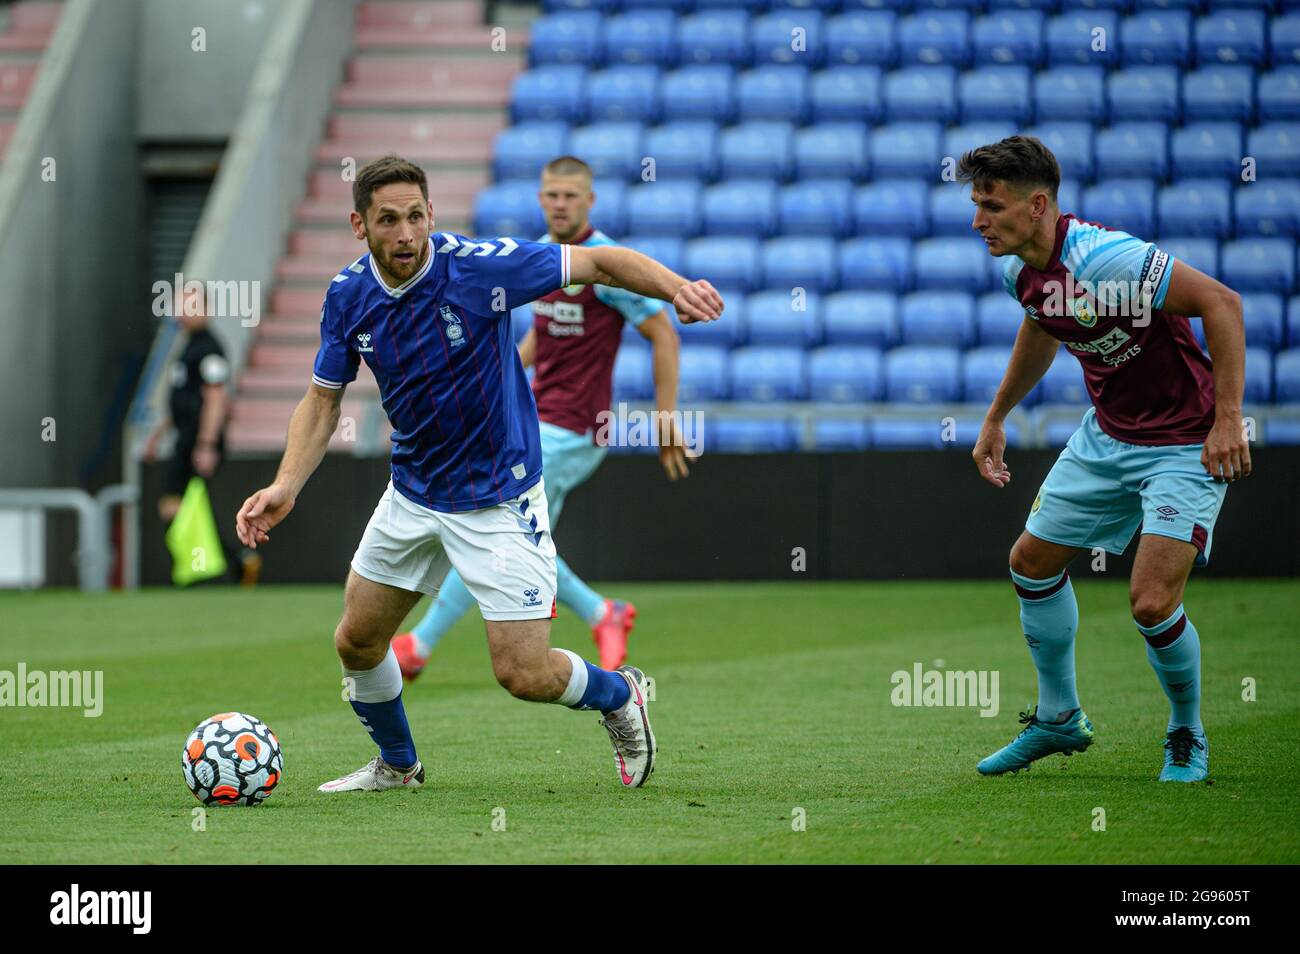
x,y
1038,739
1187,756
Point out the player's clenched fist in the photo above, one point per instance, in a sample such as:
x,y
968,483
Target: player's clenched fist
x,y
261,512
697,301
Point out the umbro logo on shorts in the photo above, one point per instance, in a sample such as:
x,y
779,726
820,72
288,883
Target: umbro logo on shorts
x,y
1166,513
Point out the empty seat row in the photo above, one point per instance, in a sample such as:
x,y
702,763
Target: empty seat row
x,y
393,17
910,374
737,37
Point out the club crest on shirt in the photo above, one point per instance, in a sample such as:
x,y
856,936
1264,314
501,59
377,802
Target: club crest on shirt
x,y
1082,312
455,332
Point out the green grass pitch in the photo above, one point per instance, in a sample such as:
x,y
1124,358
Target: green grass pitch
x,y
771,698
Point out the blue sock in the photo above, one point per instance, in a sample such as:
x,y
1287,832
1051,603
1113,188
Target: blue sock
x,y
1174,651
452,601
577,595
377,701
591,687
1049,617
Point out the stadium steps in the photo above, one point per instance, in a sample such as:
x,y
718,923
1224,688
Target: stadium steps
x,y
422,81
25,30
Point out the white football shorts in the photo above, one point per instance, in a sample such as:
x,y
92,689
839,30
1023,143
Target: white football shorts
x,y
504,553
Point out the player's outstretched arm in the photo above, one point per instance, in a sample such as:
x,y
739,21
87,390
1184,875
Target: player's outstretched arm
x,y
1032,355
1226,455
310,429
626,268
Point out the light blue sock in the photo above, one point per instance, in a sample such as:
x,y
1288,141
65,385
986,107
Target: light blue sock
x,y
450,605
577,595
1049,617
1174,651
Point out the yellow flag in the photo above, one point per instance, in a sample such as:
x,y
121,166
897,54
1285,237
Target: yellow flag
x,y
192,538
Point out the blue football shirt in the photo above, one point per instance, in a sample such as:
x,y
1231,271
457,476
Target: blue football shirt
x,y
464,423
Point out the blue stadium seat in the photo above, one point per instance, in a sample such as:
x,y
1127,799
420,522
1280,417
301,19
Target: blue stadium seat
x,y
640,36
773,38
1276,149
520,151
1284,40
995,93
876,263
774,92
937,318
922,375
548,93
845,373
905,149
816,207
862,36
725,261
1070,93
705,373
732,330
1264,319
1268,208
891,207
960,139
1220,92
1070,37
906,433
667,250
633,375
1157,36
611,149
1071,143
776,318
861,318
1063,383
769,374
1231,36
1059,432
1279,93
757,149
998,317
1008,36
1132,150
1259,376
831,149
509,208
1126,204
799,262
740,207
1200,254
841,434
611,194
683,150
1293,322
751,7
1287,368
953,263
698,92
1195,207
1206,149
623,93
670,207
1262,264
713,36
1282,431
570,37
1147,93
934,36
921,93
603,6
982,370
751,435
846,93
1067,195
950,209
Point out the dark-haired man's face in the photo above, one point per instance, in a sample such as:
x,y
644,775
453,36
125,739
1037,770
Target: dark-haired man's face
x,y
396,228
1006,215
566,202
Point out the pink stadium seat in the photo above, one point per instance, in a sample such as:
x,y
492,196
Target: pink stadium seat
x,y
30,27
421,81
16,81
419,17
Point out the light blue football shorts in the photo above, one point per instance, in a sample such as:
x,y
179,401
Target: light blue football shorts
x,y
1101,490
568,458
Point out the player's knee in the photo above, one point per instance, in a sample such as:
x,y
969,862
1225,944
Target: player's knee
x,y
1024,562
1152,605
355,649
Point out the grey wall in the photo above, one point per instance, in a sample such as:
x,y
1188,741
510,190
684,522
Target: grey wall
x,y
184,95
64,243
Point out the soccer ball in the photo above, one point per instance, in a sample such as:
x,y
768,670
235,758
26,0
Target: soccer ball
x,y
232,759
